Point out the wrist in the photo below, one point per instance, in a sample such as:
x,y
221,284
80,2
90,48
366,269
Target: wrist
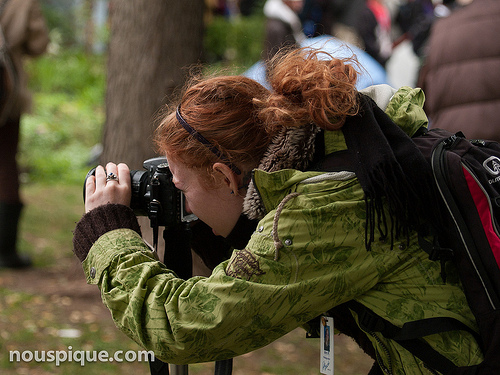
x,y
98,221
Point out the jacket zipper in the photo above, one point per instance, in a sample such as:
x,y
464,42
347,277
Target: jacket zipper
x,y
380,362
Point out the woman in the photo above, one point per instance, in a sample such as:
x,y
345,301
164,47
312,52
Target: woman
x,y
242,154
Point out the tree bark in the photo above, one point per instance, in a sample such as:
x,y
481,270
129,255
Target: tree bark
x,y
152,42
89,29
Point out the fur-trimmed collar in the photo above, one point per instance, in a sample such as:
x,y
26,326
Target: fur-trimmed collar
x,y
292,148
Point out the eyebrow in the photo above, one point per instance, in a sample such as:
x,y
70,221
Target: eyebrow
x,y
200,138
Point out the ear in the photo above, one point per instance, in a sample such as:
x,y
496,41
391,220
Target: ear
x,y
231,179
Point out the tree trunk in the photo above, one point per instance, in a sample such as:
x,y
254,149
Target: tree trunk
x,y
89,29
152,42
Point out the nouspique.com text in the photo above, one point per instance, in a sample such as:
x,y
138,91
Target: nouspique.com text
x,y
79,356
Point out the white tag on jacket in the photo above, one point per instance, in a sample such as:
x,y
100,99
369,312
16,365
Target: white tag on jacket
x,y
326,338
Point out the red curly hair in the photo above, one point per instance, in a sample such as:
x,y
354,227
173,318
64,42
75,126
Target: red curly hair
x,y
240,117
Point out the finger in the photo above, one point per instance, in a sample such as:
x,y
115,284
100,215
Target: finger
x,y
111,170
100,177
123,174
125,183
90,186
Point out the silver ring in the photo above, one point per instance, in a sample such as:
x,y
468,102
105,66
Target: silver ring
x,y
111,177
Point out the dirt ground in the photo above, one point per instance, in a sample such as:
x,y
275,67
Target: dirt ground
x,y
292,354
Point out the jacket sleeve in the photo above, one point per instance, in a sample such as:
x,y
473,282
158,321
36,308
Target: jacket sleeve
x,y
406,109
184,321
98,221
248,301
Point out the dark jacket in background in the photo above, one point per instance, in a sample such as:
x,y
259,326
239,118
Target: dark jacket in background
x,y
461,75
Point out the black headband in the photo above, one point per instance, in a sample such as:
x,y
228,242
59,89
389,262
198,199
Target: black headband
x,y
204,141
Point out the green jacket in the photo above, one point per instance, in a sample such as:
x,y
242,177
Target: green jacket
x,y
306,256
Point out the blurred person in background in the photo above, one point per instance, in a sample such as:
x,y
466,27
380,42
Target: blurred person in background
x,y
461,73
26,34
362,23
283,25
415,19
247,7
317,17
373,25
345,20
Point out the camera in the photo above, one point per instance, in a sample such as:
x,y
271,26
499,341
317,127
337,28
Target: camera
x,y
154,194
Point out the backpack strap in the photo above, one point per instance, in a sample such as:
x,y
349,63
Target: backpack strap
x,y
435,251
224,367
410,334
336,161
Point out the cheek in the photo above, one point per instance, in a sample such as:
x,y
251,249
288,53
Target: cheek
x,y
196,202
203,205
186,206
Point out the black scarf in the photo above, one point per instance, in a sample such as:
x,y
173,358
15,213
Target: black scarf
x,y
389,166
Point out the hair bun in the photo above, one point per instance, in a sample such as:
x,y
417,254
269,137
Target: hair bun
x,y
307,88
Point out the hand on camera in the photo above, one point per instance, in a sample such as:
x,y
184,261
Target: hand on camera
x,y
110,185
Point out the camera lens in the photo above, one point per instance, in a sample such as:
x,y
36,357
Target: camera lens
x,y
90,173
139,182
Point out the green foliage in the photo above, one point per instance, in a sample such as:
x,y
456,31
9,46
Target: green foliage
x,y
237,41
60,17
67,119
72,72
69,89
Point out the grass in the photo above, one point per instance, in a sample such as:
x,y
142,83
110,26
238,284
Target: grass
x,y
40,305
39,325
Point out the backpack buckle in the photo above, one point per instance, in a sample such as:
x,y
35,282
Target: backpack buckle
x,y
369,321
441,253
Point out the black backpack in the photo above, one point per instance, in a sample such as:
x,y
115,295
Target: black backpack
x,y
467,174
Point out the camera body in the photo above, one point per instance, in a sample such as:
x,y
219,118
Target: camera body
x,y
154,195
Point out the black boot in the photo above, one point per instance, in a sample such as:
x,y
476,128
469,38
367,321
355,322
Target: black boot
x,y
9,220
